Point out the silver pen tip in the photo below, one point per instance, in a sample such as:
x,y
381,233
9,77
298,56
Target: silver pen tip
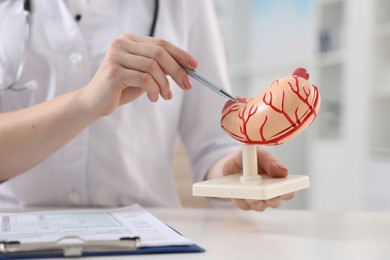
x,y
228,95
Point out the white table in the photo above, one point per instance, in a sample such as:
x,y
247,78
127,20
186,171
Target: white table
x,y
277,234
282,234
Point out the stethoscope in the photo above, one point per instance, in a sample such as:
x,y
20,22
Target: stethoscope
x,y
27,31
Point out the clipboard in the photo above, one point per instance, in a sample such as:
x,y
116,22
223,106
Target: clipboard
x,y
70,246
19,244
124,246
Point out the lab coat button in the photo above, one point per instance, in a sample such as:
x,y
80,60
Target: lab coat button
x,y
74,196
75,57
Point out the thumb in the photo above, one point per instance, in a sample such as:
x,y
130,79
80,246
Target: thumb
x,y
268,164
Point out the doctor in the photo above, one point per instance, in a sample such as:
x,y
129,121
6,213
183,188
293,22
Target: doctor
x,y
59,147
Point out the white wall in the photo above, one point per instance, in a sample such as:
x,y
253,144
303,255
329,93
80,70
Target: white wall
x,y
346,152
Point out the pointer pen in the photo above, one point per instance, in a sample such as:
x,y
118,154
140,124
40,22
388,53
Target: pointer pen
x,y
194,74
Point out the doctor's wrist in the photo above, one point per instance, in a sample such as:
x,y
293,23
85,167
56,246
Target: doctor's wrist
x,y
85,106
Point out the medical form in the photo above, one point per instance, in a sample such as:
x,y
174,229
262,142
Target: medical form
x,y
89,224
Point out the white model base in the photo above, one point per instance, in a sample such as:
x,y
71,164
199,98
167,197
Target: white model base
x,y
267,188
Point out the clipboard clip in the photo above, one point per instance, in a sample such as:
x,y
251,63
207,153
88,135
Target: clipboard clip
x,y
69,246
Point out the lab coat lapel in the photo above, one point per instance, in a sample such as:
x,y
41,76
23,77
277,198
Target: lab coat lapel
x,y
98,25
100,12
58,24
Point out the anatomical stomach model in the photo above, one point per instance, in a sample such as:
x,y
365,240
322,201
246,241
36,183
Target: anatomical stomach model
x,y
276,115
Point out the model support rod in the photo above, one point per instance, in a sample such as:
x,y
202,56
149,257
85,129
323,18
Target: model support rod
x,y
249,164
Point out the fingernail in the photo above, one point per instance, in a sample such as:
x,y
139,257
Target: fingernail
x,y
187,83
169,95
193,62
153,98
281,166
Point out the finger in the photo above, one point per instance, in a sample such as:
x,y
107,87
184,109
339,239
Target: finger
x,y
168,64
242,204
150,66
267,163
288,196
170,58
133,78
274,202
181,56
258,205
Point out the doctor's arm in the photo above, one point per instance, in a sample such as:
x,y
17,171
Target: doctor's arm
x,y
132,66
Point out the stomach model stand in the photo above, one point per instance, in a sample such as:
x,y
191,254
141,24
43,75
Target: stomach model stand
x,y
278,114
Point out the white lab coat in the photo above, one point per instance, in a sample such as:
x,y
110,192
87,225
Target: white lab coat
x,y
126,157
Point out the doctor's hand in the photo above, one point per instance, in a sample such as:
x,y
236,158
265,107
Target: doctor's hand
x,y
267,164
136,64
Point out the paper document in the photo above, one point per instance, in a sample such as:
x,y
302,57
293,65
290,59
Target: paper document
x,y
94,224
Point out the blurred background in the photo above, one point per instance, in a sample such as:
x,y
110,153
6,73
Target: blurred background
x,y
345,46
